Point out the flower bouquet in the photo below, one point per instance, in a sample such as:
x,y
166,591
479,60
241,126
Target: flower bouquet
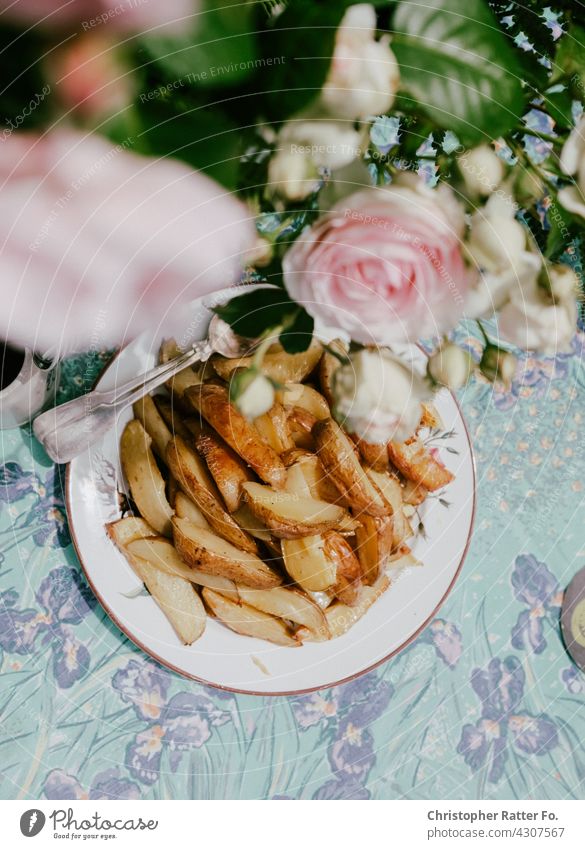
x,y
404,165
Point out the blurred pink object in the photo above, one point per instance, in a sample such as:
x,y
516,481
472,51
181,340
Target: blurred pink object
x,y
122,15
88,76
96,242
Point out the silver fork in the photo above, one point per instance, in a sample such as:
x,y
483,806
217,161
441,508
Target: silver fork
x,y
67,430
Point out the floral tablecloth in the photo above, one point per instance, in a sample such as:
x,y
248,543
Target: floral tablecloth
x,y
484,704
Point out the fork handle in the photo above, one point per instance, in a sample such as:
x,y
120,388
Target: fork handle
x,y
66,431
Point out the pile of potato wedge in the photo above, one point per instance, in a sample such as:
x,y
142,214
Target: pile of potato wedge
x,y
283,528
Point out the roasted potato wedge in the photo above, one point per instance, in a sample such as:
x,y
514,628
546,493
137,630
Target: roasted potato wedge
x,y
187,509
124,531
248,621
289,515
348,569
146,483
390,487
227,469
280,366
374,456
251,523
304,397
177,599
170,414
375,544
146,412
189,470
301,423
289,604
274,430
413,493
214,405
306,476
339,460
430,417
161,553
328,365
415,462
306,562
180,382
340,617
204,550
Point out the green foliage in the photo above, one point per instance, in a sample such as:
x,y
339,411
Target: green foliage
x,y
252,313
459,66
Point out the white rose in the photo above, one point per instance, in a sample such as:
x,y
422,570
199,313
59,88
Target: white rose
x,y
563,282
254,395
330,144
573,164
377,396
533,323
494,289
364,76
292,174
451,366
481,169
497,240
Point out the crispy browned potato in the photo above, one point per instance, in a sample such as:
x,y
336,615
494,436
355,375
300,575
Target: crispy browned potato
x,y
348,569
390,487
413,493
251,523
340,617
202,549
177,599
153,423
274,430
161,553
124,531
171,417
144,478
339,460
306,476
301,423
328,365
304,397
307,564
430,417
189,470
375,543
214,405
374,456
280,366
289,515
227,469
289,604
248,621
416,463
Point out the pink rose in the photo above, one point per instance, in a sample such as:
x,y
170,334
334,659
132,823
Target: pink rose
x,y
96,242
123,15
385,264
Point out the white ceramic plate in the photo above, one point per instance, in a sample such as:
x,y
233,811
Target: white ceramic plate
x,y
221,657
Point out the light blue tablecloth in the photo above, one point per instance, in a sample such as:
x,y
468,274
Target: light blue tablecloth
x,y
485,703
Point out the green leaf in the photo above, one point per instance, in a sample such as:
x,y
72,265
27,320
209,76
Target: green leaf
x,y
559,105
562,228
458,64
297,337
254,312
302,40
569,58
219,49
202,136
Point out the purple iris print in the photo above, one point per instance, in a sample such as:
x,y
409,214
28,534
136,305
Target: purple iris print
x,y
500,689
344,714
536,587
574,680
446,639
45,515
105,785
64,601
176,725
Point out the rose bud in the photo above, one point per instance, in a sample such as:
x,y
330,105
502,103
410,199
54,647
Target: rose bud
x,y
252,393
559,282
451,366
292,175
378,397
497,364
481,169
